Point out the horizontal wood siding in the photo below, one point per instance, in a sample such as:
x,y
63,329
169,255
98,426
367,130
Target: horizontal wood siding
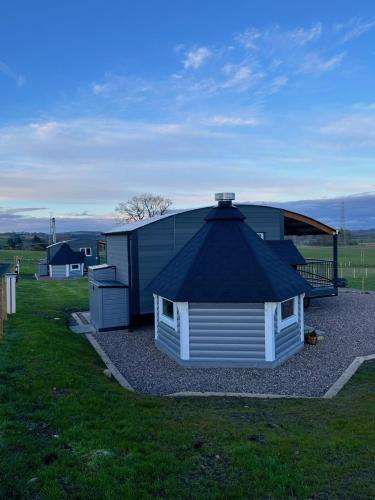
x,y
160,241
169,339
117,255
287,340
59,271
227,332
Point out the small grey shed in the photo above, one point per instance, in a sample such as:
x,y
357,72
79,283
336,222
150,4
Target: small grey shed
x,y
228,299
109,299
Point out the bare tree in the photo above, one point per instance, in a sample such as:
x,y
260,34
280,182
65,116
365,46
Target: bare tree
x,y
142,207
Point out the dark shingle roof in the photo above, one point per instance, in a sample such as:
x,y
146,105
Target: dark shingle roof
x,y
287,250
226,261
65,255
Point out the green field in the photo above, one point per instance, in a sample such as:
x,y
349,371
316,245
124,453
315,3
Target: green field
x,y
356,263
67,431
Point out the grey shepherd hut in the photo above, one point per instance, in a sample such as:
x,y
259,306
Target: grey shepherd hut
x,y
136,252
228,299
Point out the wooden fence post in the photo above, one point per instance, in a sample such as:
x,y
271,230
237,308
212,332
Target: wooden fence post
x,y
2,308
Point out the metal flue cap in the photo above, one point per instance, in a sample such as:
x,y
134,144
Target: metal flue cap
x,y
225,196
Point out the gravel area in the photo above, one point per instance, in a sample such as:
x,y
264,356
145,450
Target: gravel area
x,y
348,323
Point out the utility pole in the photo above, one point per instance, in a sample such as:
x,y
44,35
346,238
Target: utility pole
x,y
52,230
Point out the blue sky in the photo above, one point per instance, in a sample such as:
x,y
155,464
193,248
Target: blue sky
x,y
101,100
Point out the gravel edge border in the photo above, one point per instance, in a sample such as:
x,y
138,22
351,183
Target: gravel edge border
x,y
111,367
331,393
347,375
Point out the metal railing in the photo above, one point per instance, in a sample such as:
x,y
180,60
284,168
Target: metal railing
x,y
318,272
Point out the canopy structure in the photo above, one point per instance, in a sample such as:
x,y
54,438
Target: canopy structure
x,y
301,225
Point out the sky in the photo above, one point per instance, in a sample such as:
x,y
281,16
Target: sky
x,y
103,100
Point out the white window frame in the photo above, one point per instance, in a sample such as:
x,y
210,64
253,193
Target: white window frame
x,y
262,235
85,250
166,319
75,268
291,320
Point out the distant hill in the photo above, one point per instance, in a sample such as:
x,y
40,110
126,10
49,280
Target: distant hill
x,y
359,210
29,245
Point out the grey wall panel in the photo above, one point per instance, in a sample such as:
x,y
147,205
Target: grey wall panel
x,y
109,307
74,273
87,243
264,219
102,274
287,340
227,332
58,272
95,305
43,269
115,306
117,255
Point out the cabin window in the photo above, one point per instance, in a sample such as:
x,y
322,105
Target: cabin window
x,y
167,312
261,235
87,251
288,312
75,267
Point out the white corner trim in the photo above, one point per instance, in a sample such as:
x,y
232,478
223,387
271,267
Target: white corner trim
x,y
50,270
67,270
302,318
269,330
183,308
156,316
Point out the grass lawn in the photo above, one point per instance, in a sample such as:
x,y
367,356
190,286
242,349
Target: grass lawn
x,y
68,431
356,263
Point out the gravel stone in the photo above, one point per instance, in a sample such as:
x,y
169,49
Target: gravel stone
x,y
348,323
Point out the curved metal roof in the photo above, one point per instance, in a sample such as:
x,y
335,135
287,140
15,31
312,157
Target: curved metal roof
x,y
295,224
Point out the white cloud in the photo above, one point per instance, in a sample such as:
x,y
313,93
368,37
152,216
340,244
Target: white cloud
x,y
355,129
302,36
240,77
315,64
277,83
231,121
195,58
248,38
6,70
276,38
354,28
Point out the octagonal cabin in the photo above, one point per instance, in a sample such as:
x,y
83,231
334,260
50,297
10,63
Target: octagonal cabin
x,y
228,298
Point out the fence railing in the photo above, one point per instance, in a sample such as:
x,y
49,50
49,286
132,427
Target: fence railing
x,y
318,272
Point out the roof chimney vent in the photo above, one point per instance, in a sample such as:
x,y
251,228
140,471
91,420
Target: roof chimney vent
x,y
225,199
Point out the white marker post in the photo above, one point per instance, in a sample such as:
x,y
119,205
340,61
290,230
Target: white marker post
x,y
11,279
